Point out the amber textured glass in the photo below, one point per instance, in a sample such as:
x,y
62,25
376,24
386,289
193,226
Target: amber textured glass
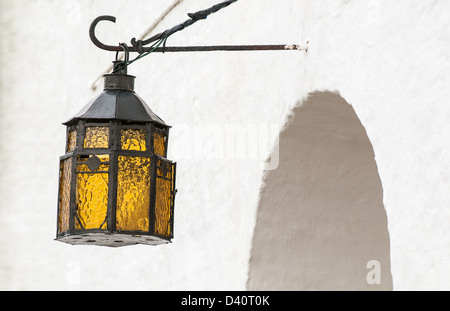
x,y
96,137
64,193
92,195
133,193
132,139
163,200
84,168
71,140
159,144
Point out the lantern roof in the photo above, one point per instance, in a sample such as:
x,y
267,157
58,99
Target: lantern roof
x,y
118,101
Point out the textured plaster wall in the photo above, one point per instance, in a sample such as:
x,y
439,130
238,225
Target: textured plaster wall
x,y
389,60
321,218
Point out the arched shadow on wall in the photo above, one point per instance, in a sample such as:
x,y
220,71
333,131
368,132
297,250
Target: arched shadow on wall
x,y
321,218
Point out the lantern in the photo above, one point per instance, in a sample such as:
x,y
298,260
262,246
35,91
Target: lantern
x,y
116,186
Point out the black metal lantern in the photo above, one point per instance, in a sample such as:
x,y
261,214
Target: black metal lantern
x,y
116,185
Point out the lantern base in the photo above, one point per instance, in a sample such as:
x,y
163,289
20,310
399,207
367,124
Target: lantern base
x,y
111,240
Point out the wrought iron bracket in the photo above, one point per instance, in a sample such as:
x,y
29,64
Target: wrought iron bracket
x,y
140,45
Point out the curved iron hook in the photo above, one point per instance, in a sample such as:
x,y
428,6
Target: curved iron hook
x,y
126,50
97,42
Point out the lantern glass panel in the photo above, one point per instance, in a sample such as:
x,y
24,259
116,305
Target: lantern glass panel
x,y
84,168
159,144
163,199
133,139
64,195
71,140
133,193
96,137
92,194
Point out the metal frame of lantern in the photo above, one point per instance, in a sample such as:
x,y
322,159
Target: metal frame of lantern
x,y
106,176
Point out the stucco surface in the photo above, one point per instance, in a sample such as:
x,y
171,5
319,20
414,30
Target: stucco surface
x,y
321,218
389,60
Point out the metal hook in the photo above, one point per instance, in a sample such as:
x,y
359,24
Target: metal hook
x,y
126,51
120,67
94,38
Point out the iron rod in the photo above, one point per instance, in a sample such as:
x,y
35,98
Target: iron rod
x,y
273,47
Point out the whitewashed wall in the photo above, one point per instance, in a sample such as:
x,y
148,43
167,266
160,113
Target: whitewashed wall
x,y
389,60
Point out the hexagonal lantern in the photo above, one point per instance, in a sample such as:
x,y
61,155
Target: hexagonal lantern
x,y
116,186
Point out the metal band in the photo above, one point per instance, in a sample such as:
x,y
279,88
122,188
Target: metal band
x,y
119,82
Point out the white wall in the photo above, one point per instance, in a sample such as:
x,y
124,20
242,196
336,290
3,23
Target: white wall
x,y
389,60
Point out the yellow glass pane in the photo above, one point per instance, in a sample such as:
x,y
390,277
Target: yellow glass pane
x,y
133,193
159,144
85,168
96,137
132,139
163,200
64,201
71,140
162,207
92,200
103,157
